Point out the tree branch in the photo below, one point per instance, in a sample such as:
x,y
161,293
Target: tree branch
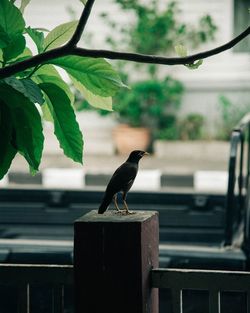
x,y
143,58
71,49
81,25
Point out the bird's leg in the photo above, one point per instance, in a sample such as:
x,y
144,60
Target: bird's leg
x,y
116,204
125,204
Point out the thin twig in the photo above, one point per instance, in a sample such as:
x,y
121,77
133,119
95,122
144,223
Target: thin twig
x,y
141,58
81,25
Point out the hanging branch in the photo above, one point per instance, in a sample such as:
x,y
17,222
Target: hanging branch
x,y
71,49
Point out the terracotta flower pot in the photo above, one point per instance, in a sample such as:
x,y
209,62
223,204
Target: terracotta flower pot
x,y
128,138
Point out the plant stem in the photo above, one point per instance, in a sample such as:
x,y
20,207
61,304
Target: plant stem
x,y
81,25
34,70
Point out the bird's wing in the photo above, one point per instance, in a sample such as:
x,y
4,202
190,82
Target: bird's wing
x,y
123,177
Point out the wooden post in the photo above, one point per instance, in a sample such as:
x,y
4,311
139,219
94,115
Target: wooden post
x,y
113,256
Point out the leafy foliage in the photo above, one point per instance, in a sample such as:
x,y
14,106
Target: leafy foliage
x,y
12,41
231,113
24,3
95,100
96,75
68,134
190,127
59,35
37,37
41,93
146,104
182,52
27,136
27,87
154,21
7,151
11,22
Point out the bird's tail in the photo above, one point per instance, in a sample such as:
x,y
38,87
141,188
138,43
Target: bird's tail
x,y
104,205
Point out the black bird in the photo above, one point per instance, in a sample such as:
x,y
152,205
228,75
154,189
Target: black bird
x,y
121,181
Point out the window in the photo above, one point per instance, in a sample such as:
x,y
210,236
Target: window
x,y
241,21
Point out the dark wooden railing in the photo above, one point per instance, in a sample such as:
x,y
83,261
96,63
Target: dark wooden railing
x,y
215,282
24,277
176,280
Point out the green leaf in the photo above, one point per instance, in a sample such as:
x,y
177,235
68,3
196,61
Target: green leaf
x,y
27,87
83,1
29,133
7,151
27,124
181,50
37,37
48,74
46,112
67,129
97,75
104,103
42,29
21,57
32,91
11,20
14,48
11,28
1,57
26,54
195,65
4,38
60,83
48,69
59,35
24,3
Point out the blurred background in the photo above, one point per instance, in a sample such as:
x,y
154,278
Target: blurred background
x,y
182,116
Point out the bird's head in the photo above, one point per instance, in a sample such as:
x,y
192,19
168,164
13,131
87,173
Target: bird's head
x,y
136,155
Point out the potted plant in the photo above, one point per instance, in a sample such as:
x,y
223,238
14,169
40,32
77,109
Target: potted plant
x,y
143,111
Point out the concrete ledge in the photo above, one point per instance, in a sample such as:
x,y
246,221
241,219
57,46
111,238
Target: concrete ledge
x,y
96,179
63,177
193,150
25,178
207,180
200,181
147,180
177,180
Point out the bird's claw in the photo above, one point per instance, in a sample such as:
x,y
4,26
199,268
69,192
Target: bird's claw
x,y
125,212
130,212
120,211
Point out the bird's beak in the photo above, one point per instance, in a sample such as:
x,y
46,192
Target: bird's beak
x,y
146,153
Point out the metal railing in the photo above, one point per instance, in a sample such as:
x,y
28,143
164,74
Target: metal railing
x,y
214,282
25,276
238,180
